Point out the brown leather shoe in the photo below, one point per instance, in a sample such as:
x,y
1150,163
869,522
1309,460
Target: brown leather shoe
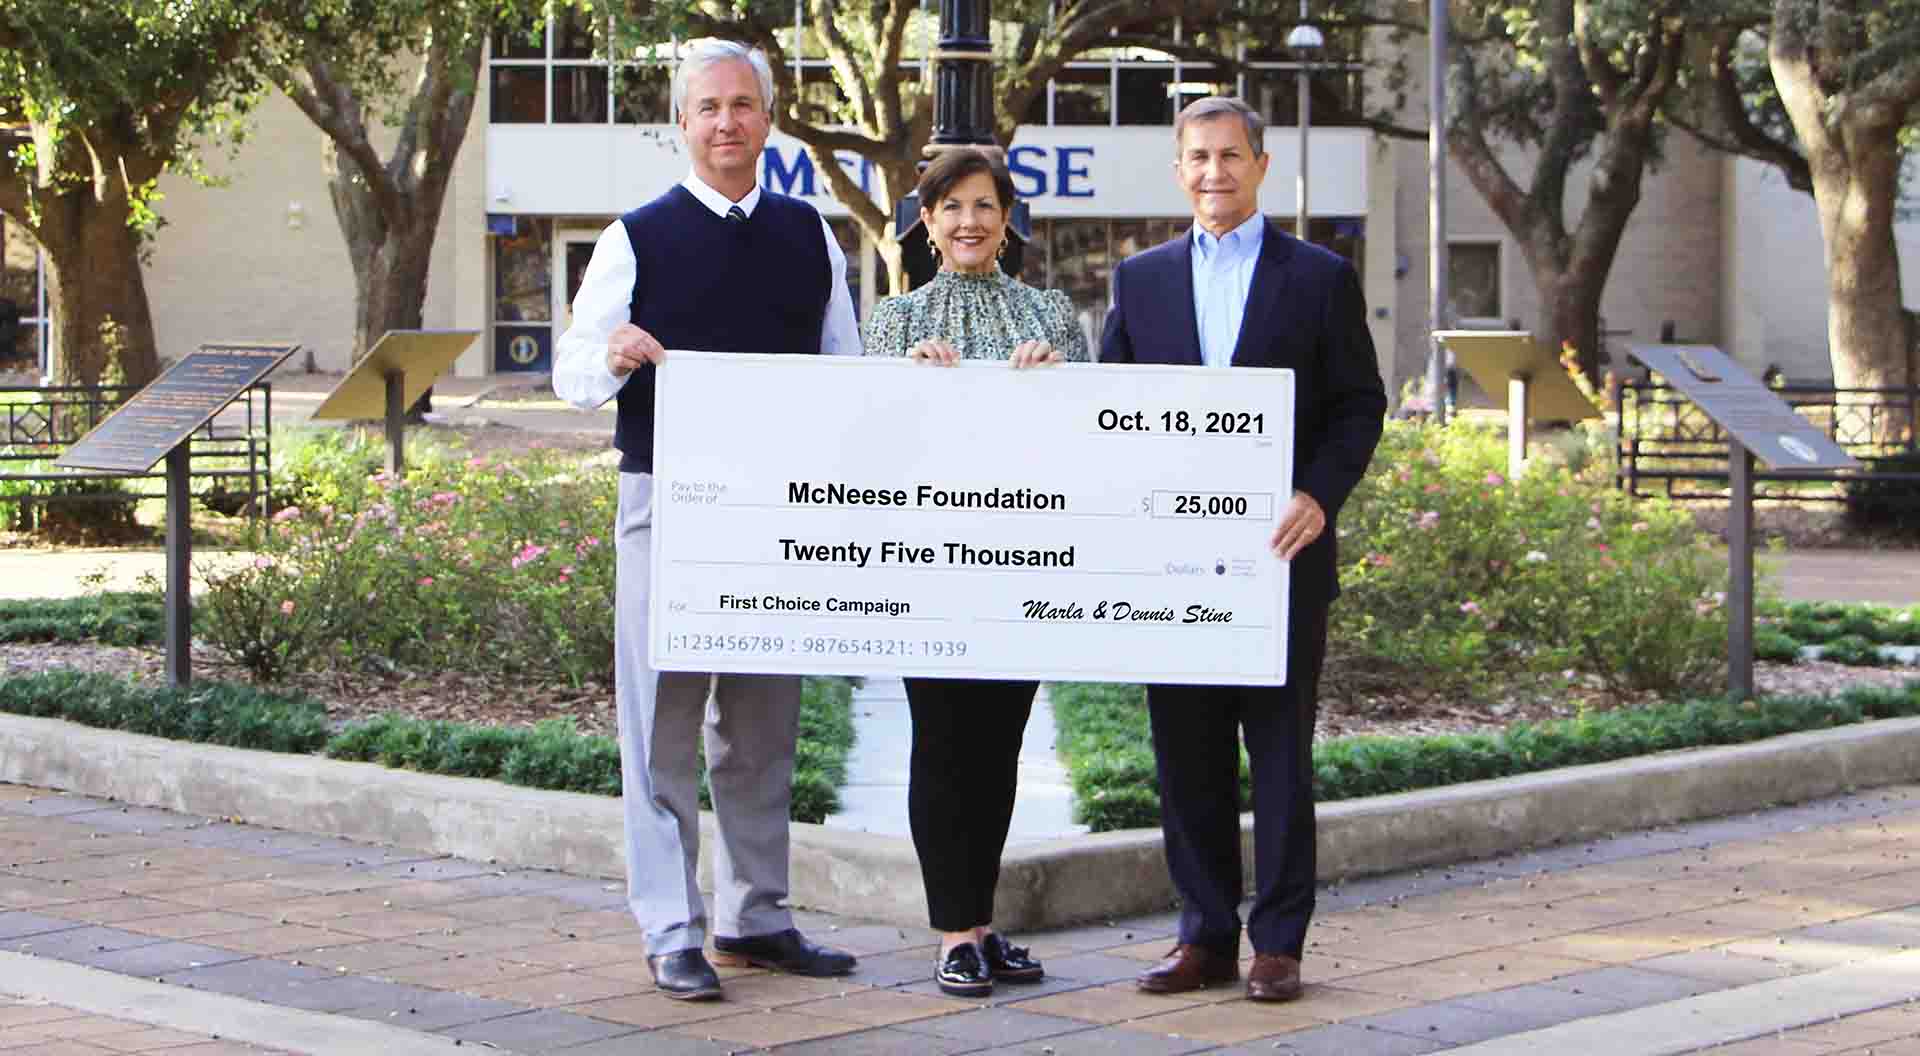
x,y
1189,967
1273,977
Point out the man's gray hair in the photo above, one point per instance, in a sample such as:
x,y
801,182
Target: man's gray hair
x,y
1218,106
711,51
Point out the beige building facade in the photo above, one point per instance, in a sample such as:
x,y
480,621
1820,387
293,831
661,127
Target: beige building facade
x,y
561,143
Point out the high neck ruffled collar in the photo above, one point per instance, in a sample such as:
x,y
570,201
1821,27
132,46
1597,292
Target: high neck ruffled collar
x,y
953,277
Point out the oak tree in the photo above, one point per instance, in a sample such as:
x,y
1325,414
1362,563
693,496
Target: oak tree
x,y
1828,92
112,94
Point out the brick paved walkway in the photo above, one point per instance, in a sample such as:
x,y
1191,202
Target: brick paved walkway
x,y
56,1030
1622,936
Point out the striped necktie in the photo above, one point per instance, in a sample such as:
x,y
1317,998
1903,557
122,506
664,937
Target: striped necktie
x,y
736,215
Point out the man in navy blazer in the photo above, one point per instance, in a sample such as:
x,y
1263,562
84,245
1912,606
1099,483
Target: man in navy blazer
x,y
1237,291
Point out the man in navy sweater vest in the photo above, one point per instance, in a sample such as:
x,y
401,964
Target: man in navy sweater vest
x,y
719,265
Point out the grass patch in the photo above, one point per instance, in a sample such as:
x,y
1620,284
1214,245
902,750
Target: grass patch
x,y
1105,741
551,755
114,617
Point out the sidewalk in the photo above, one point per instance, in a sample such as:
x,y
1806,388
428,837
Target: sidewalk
x,y
1789,931
1888,577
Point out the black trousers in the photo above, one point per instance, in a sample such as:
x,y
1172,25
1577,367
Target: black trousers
x,y
1195,735
966,761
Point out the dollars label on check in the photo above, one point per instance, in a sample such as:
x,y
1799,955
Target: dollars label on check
x,y
875,516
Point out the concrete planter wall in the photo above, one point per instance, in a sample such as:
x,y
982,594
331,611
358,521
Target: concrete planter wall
x,y
877,877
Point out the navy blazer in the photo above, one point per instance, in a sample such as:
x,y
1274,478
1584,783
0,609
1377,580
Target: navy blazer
x,y
1305,311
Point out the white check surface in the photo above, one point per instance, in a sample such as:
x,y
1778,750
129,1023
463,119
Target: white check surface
x,y
827,515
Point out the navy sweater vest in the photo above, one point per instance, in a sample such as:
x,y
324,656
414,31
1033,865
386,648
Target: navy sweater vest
x,y
715,285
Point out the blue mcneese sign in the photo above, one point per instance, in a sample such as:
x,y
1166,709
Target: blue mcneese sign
x,y
1038,172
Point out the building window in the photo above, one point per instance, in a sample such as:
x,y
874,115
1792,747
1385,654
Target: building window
x,y
1473,283
643,94
519,95
560,72
1082,95
580,95
1145,94
523,272
23,325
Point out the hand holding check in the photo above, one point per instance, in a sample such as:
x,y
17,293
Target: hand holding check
x,y
1300,524
628,347
1026,354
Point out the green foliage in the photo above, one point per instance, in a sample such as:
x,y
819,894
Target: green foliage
x,y
116,618
1105,739
206,712
553,754
1852,649
136,81
1457,572
1105,742
315,466
826,739
1771,643
491,565
1848,632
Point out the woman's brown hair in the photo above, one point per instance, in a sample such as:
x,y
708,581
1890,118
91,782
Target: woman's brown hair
x,y
947,170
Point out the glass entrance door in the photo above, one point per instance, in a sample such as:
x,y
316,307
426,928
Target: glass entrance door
x,y
523,295
572,249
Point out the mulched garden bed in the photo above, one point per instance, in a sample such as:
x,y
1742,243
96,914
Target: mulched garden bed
x,y
468,699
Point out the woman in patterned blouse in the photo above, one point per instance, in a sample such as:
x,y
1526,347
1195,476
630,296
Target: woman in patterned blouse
x,y
967,732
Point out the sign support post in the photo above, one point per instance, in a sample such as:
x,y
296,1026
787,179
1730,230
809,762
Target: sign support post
x,y
158,423
1740,570
396,422
390,378
1538,390
179,568
1518,384
1760,427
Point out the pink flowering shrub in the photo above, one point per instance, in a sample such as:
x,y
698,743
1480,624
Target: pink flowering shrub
x,y
490,565
1452,571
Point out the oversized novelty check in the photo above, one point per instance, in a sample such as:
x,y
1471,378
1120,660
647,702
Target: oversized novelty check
x,y
827,515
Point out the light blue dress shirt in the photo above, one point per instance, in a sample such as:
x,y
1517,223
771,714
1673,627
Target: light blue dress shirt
x,y
1222,280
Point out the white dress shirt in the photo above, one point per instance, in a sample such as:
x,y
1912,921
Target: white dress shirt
x,y
580,374
1222,281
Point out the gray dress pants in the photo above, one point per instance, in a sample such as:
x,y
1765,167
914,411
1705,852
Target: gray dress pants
x,y
750,725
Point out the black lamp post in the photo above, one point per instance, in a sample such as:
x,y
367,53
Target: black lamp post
x,y
962,117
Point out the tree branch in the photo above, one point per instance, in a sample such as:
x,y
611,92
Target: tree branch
x,y
330,105
846,65
893,32
1607,82
1717,115
845,191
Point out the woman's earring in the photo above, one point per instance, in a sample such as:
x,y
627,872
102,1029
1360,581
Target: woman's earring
x,y
1002,254
934,248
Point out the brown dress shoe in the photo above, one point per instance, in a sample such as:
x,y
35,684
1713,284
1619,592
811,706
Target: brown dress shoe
x,y
1273,977
1189,967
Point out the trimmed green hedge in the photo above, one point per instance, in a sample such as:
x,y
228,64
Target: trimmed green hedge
x,y
206,712
1847,632
115,618
553,754
1105,741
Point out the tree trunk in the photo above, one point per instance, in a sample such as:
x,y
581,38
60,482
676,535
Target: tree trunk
x,y
391,254
1868,331
390,282
895,183
96,291
1571,313
1852,148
